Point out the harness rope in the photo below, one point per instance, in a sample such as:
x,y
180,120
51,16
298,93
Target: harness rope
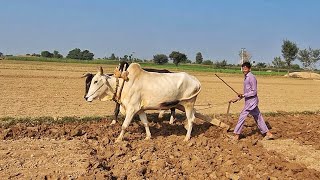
x,y
95,91
118,74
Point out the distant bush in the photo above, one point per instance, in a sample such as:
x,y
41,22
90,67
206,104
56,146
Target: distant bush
x,y
207,62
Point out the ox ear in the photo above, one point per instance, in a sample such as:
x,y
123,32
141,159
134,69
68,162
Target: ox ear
x,y
85,75
100,70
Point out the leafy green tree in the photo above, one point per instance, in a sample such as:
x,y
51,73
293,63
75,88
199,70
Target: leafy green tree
x,y
46,54
289,52
304,57
160,59
56,54
309,57
86,55
177,57
112,57
74,54
315,57
278,63
199,58
78,54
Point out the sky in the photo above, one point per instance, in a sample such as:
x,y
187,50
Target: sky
x,y
217,29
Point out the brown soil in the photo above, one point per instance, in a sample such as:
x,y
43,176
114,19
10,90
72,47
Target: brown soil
x,y
88,151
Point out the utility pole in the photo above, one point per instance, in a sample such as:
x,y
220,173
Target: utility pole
x,y
241,61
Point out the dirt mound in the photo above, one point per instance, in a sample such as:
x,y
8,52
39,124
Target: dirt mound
x,y
87,151
304,75
293,151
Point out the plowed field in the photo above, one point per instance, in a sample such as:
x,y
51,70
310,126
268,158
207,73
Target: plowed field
x,y
87,150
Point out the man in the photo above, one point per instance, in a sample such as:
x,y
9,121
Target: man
x,y
251,104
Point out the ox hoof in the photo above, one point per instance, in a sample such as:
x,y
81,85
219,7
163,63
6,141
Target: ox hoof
x,y
113,122
186,139
147,138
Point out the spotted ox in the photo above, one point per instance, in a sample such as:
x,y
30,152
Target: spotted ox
x,y
148,91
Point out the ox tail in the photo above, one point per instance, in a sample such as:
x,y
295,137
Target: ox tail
x,y
192,96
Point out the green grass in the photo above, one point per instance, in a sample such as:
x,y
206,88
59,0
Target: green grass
x,y
169,66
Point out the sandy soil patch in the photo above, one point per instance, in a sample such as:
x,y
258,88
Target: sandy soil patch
x,y
305,75
55,89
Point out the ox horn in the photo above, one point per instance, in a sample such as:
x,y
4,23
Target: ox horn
x,y
85,75
100,70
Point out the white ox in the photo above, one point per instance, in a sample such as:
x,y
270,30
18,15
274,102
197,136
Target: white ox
x,y
148,91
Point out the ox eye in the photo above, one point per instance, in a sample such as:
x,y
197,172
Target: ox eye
x,y
95,82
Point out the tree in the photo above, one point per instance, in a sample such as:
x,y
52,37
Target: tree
x,y
309,57
125,58
74,54
289,52
56,54
315,57
46,54
78,54
86,55
278,63
199,58
1,55
304,58
177,57
112,57
160,59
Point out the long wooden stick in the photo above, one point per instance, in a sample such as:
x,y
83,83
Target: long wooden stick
x,y
227,84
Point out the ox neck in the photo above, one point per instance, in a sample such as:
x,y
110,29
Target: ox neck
x,y
115,87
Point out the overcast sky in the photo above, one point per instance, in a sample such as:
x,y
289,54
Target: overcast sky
x,y
217,29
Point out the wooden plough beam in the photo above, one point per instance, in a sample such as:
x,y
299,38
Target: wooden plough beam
x,y
213,121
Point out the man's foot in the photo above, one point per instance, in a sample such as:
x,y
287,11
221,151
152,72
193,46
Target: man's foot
x,y
268,136
235,138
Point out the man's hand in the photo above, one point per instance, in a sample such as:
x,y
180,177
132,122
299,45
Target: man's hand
x,y
235,100
240,95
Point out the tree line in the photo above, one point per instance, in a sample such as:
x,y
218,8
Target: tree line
x,y
290,52
73,54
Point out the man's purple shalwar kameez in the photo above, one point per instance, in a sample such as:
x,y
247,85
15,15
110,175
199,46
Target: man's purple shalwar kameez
x,y
251,105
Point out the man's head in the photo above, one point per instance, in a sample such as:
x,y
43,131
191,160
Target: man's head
x,y
246,67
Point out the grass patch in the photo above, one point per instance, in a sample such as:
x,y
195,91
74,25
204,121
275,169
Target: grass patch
x,y
6,122
168,66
